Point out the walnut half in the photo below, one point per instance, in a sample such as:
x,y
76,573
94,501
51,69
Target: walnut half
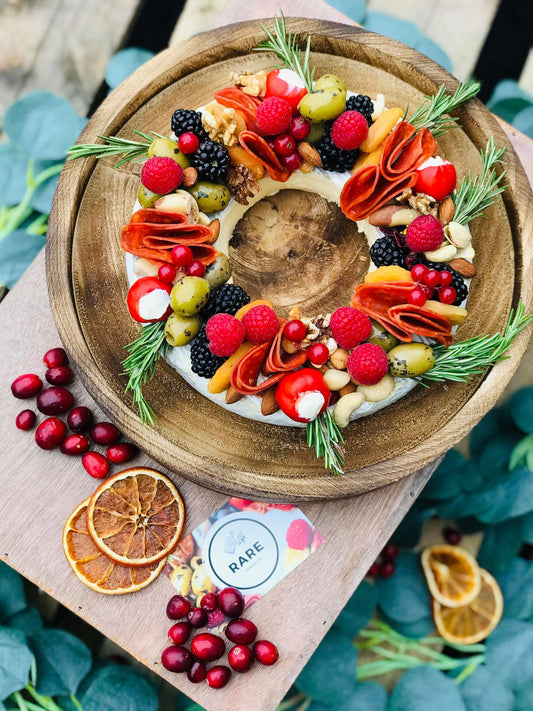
x,y
241,183
222,124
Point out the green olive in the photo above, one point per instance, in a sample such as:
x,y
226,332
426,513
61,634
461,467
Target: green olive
x,y
218,272
211,197
322,105
189,295
167,148
381,337
410,359
146,197
330,81
316,133
179,330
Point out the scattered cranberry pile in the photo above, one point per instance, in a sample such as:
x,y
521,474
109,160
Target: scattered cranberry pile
x,y
384,565
276,117
207,647
58,400
427,282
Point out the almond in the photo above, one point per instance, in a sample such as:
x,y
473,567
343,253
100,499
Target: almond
x,y
393,215
347,389
463,267
268,402
190,176
446,211
214,226
232,395
309,154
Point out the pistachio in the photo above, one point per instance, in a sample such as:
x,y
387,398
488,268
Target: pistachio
x,y
466,253
442,254
345,406
458,235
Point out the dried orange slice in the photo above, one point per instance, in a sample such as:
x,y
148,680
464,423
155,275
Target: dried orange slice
x,y
471,623
452,575
93,568
136,516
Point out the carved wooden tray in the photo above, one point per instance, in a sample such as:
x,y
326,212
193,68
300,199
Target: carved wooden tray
x,y
203,442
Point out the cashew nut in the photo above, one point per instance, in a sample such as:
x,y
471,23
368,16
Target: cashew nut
x,y
345,406
338,359
442,254
143,267
336,379
379,391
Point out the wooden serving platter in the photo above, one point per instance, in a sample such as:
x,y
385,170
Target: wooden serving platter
x,y
200,441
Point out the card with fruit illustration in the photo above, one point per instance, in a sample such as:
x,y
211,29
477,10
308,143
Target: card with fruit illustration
x,y
247,545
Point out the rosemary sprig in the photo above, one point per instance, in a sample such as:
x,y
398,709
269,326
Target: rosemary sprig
x,y
472,356
325,438
431,112
283,44
476,194
114,146
139,366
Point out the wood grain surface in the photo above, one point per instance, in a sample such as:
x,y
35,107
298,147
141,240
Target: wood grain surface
x,y
204,442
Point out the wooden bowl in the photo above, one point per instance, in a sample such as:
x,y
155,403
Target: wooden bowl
x,y
191,436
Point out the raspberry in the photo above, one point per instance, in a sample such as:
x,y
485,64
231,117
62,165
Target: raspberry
x,y
349,130
368,364
161,175
349,327
424,234
261,324
299,535
273,116
225,334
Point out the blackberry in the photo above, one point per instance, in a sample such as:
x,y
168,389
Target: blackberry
x,y
334,158
385,251
363,104
226,300
457,281
203,362
212,161
188,121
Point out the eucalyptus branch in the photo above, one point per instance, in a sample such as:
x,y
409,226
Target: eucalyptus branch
x,y
475,195
433,113
115,146
325,437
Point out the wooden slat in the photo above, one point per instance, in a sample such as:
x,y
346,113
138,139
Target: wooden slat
x,y
59,45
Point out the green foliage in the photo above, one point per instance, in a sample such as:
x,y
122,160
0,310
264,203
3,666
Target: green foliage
x,y
12,595
27,621
124,63
521,408
119,687
62,662
482,692
426,688
516,583
17,251
366,696
500,544
15,662
509,653
405,597
358,610
13,167
513,104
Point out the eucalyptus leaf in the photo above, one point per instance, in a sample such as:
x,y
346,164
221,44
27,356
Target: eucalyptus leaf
x,y
62,662
119,687
358,610
41,200
124,63
496,453
15,662
511,498
521,408
496,422
414,630
500,545
43,125
508,99
509,653
472,478
523,121
446,481
67,704
404,597
408,532
521,453
354,9
470,524
482,692
12,595
516,583
337,653
27,621
13,170
524,697
17,252
425,689
526,524
394,27
367,696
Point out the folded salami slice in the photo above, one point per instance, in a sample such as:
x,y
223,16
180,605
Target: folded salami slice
x,y
259,148
158,217
422,322
405,150
245,374
276,362
234,98
367,190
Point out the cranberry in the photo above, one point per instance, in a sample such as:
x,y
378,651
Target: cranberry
x,y
390,551
196,268
295,331
431,278
416,297
121,453
209,601
215,618
50,433
26,420
447,295
75,444
300,128
178,606
284,145
266,653
452,536
197,672
26,385
318,354
188,143
218,676
374,569
240,658
197,617
387,569
292,162
62,375
80,419
179,633
177,659
231,602
95,464
104,433
207,647
167,273
55,357
55,400
241,631
181,255
334,397
446,277
418,271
